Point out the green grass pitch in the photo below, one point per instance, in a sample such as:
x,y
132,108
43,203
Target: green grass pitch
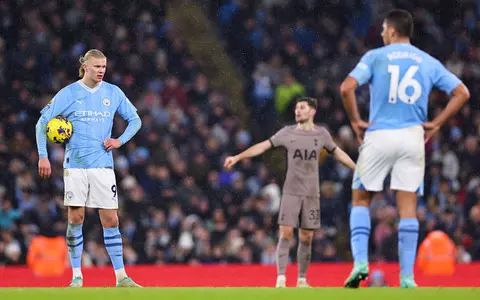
x,y
239,293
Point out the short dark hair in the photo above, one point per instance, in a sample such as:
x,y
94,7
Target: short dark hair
x,y
402,21
312,102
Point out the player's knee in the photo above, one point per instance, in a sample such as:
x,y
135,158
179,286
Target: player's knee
x,y
109,220
286,233
407,212
361,203
407,205
76,219
306,236
76,215
361,198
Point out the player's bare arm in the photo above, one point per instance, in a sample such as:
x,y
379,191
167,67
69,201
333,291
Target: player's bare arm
x,y
347,90
459,97
255,150
343,158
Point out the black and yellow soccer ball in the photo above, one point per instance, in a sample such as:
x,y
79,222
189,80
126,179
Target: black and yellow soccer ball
x,y
59,130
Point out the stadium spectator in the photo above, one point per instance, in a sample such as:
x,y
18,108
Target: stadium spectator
x,y
47,253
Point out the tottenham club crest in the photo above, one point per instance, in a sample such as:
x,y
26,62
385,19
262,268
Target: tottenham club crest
x,y
106,102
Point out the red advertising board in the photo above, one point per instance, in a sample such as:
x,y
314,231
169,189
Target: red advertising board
x,y
319,274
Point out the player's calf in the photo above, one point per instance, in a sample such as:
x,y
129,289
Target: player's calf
x,y
75,248
304,253
408,228
283,248
407,246
359,235
114,246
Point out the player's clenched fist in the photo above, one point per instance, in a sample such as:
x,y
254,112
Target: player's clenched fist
x,y
230,162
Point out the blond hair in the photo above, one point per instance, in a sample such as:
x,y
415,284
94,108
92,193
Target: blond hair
x,y
83,59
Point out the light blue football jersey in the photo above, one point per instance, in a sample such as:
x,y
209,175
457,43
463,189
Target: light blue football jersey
x,y
401,77
91,112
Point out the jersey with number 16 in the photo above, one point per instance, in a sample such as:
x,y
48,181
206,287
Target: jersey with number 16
x,y
401,77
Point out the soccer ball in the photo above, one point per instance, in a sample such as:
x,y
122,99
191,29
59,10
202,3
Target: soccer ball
x,y
59,130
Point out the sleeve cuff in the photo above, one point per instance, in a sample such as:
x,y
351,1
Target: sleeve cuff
x,y
331,151
271,143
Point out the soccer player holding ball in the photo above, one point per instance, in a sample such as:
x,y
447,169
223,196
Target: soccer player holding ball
x,y
401,77
90,105
300,205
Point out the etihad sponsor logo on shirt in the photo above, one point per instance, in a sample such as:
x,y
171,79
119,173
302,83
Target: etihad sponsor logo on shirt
x,y
92,115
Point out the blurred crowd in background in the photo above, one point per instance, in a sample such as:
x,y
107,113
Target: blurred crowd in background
x,y
178,204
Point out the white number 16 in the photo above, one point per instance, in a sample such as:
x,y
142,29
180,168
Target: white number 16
x,y
399,89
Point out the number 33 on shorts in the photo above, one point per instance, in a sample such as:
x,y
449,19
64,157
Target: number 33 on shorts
x,y
314,215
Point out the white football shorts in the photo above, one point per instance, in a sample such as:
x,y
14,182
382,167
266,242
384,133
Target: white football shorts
x,y
94,188
398,152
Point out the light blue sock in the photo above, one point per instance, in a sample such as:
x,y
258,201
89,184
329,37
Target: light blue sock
x,y
407,245
359,233
113,243
75,244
